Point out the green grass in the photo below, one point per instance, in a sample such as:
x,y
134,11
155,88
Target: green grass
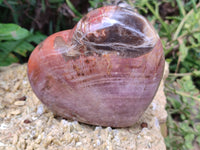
x,y
180,35
179,31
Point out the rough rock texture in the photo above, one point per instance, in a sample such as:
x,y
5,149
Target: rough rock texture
x,y
25,123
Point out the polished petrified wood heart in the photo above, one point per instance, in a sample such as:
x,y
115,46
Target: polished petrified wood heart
x,y
105,71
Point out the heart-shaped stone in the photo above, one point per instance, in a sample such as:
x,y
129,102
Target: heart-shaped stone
x,y
105,71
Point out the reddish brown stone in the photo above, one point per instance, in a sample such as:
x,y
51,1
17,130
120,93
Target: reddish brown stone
x,y
105,71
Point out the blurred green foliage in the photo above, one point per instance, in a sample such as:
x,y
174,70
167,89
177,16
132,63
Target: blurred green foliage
x,y
15,42
38,18
177,23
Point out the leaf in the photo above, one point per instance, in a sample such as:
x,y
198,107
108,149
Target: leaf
x,y
183,51
196,73
188,140
95,3
197,126
8,46
175,103
92,4
13,38
55,1
20,47
185,128
183,117
71,6
198,140
23,47
12,32
7,59
187,84
197,36
177,18
36,38
181,7
76,19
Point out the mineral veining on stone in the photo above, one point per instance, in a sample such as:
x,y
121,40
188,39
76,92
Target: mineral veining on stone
x,y
105,71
